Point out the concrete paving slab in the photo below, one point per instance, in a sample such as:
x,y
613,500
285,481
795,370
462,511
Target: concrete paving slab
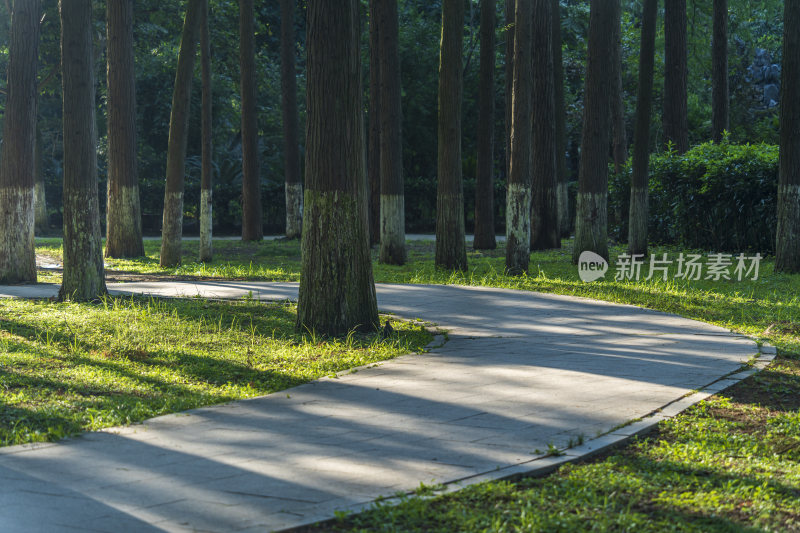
x,y
521,370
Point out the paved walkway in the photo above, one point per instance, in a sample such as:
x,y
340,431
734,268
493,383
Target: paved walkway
x,y
521,371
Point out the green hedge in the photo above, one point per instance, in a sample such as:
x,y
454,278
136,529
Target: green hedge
x,y
718,197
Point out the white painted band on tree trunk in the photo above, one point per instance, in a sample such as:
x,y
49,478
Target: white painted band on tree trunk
x,y
518,212
173,220
591,224
17,249
124,206
294,209
206,224
789,190
393,220
40,205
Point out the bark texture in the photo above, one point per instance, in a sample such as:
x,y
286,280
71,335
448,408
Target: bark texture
x,y
564,221
676,121
619,139
41,219
337,293
172,225
291,137
591,221
509,55
83,277
518,193
252,226
545,231
393,220
206,248
787,249
374,138
484,187
451,249
637,228
17,162
719,70
123,213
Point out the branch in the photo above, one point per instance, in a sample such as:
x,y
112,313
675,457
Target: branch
x,y
47,79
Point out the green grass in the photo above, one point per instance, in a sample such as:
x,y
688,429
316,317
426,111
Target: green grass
x,y
68,367
728,464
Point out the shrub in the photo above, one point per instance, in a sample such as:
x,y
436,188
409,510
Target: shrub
x,y
719,197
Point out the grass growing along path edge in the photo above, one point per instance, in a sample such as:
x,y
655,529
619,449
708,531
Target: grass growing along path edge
x,y
728,464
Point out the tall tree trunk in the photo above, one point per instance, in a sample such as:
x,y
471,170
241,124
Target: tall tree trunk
x,y
83,277
787,248
591,221
393,219
518,192
41,219
676,121
545,232
564,221
484,188
719,70
252,225
337,293
509,57
123,215
451,249
637,227
206,248
17,162
291,138
374,139
619,140
172,226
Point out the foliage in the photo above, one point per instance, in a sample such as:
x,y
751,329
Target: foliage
x,y
67,368
719,197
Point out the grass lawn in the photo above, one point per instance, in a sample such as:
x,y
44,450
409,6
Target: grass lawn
x,y
728,464
69,367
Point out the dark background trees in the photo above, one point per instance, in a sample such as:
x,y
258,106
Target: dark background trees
x,y
157,26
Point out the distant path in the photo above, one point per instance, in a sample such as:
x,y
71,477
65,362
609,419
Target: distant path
x,y
520,372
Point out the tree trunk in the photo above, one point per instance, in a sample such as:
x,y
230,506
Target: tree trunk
x,y
83,276
510,31
206,248
787,248
337,293
545,232
637,227
291,138
374,148
619,142
172,225
17,163
393,220
518,193
451,249
123,215
719,70
484,188
41,219
591,221
564,221
676,122
252,225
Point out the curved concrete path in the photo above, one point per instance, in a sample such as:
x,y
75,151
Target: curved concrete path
x,y
521,371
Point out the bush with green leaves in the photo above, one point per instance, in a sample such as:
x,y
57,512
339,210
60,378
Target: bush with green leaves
x,y
719,197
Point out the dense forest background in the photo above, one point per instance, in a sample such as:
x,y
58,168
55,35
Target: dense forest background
x,y
754,47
